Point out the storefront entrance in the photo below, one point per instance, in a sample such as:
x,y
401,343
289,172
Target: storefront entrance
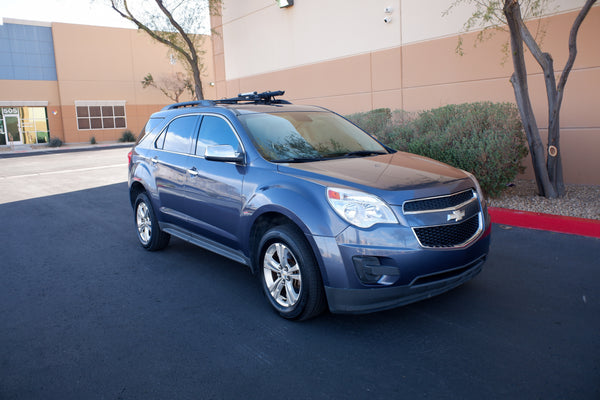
x,y
13,130
23,125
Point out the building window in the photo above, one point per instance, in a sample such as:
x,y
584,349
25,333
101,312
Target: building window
x,y
100,115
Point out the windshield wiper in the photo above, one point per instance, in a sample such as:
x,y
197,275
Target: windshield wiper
x,y
360,153
297,160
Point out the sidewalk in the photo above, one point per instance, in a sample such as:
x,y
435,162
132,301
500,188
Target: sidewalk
x,y
32,150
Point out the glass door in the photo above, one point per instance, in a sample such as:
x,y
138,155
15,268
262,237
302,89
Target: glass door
x,y
13,129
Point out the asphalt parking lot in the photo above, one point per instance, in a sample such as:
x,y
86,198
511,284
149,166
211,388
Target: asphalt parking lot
x,y
86,313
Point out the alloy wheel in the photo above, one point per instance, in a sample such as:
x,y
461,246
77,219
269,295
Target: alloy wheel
x,y
144,223
282,274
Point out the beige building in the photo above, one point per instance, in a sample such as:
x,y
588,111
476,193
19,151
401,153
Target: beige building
x,y
76,82
357,55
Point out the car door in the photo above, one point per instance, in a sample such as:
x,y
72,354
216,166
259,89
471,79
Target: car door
x,y
172,161
214,197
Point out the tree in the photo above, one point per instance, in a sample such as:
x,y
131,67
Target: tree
x,y
171,86
498,14
177,24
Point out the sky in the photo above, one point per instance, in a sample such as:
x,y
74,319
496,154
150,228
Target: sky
x,y
85,12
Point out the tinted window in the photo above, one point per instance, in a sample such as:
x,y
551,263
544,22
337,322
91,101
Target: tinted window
x,y
151,125
306,135
215,131
179,134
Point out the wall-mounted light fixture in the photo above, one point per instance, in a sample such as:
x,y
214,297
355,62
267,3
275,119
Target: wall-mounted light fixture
x,y
285,3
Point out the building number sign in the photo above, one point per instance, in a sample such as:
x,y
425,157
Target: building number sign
x,y
10,111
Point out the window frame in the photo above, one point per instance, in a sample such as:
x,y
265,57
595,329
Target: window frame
x,y
101,108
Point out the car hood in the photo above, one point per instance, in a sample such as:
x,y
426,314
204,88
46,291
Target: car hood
x,y
396,177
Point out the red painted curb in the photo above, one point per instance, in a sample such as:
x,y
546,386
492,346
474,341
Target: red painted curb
x,y
547,222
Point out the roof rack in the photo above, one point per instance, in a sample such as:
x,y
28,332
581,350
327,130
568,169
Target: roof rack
x,y
246,98
255,97
202,103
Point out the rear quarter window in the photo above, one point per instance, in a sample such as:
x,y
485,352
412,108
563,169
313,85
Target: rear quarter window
x,y
151,126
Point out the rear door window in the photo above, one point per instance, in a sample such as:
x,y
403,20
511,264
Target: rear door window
x,y
179,135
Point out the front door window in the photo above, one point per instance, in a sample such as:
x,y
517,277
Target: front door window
x,y
13,130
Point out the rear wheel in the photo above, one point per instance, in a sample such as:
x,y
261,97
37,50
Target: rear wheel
x,y
289,274
148,231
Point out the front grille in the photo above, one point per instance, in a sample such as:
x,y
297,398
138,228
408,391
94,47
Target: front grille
x,y
438,203
448,235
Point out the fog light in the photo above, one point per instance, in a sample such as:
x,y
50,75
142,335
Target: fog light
x,y
370,270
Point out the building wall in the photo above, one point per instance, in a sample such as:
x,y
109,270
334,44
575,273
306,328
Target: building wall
x,y
108,64
22,92
27,52
62,64
340,54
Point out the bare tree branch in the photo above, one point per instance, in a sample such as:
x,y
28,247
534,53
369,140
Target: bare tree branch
x,y
171,23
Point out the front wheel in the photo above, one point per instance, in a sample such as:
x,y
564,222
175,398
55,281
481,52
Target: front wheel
x,y
148,231
289,274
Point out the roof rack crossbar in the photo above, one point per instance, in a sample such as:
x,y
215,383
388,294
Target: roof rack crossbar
x,y
255,97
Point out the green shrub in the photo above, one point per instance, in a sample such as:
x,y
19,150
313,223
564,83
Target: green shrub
x,y
93,140
377,122
54,142
127,136
485,138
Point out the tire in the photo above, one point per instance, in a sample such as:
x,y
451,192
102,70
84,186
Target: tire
x,y
147,228
293,287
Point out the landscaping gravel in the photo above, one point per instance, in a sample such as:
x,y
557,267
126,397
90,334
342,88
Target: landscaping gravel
x,y
582,201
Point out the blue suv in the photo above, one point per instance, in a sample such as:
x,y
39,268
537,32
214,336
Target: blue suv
x,y
323,213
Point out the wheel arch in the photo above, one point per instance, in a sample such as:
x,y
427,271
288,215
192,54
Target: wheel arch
x,y
141,180
301,204
261,225
270,219
134,191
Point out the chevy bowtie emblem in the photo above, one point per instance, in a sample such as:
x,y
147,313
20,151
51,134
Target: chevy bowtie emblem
x,y
456,215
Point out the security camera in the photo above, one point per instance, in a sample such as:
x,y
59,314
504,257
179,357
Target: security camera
x,y
387,20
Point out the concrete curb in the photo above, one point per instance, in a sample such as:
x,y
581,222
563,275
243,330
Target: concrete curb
x,y
546,222
62,149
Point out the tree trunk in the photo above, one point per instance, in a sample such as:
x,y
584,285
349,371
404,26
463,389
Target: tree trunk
x,y
554,162
519,81
197,83
554,92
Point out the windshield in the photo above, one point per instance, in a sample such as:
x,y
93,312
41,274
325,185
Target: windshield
x,y
307,136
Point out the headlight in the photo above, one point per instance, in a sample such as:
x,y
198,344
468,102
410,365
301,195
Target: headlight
x,y
359,208
477,187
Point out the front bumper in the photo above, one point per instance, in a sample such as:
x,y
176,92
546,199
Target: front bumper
x,y
409,272
382,298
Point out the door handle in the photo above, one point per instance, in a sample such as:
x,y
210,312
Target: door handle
x,y
193,171
154,160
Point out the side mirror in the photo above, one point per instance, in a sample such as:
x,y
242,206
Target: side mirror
x,y
223,152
